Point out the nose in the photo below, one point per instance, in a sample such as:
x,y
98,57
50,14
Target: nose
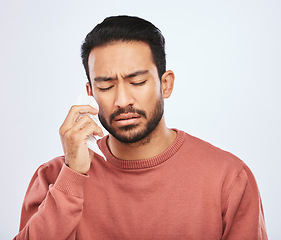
x,y
124,97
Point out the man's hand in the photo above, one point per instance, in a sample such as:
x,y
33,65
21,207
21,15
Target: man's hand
x,y
74,134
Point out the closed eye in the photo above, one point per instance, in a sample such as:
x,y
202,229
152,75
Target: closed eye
x,y
105,89
138,83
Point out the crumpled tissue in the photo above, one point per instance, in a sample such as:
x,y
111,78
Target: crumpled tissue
x,y
92,140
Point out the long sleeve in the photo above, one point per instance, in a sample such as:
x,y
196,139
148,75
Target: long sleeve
x,y
191,191
243,216
52,210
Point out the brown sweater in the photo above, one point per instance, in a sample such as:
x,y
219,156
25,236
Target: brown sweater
x,y
193,190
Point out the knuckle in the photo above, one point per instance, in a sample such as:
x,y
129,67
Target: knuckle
x,y
70,136
66,135
73,108
61,131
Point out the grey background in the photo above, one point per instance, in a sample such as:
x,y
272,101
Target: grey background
x,y
226,56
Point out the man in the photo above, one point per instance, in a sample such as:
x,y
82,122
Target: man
x,y
157,183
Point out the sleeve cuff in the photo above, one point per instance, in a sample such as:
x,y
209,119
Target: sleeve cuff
x,y
71,182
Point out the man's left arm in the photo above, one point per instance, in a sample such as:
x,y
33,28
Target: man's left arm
x,y
243,216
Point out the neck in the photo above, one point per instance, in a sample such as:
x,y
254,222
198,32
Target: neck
x,y
154,144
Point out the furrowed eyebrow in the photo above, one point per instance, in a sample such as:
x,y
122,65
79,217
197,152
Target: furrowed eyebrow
x,y
104,79
137,73
131,75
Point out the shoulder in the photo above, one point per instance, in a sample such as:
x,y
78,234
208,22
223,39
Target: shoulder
x,y
216,166
208,159
50,170
55,163
45,175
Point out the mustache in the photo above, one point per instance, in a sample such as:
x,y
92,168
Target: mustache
x,y
129,109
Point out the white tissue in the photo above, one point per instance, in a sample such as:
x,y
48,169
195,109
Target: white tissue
x,y
92,140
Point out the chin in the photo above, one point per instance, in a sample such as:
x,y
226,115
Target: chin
x,y
133,134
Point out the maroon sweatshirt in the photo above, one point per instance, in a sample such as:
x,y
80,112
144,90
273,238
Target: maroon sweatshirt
x,y
193,190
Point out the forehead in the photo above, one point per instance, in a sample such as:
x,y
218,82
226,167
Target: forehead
x,y
120,57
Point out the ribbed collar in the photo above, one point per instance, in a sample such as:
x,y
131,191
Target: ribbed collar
x,y
143,163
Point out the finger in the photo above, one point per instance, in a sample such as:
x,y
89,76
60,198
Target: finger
x,y
85,121
77,110
89,129
73,115
91,110
82,134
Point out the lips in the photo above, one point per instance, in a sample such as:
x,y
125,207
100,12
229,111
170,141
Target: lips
x,y
126,116
127,119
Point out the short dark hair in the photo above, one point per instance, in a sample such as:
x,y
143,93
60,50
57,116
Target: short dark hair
x,y
126,28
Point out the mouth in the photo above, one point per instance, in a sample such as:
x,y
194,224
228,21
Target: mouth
x,y
127,119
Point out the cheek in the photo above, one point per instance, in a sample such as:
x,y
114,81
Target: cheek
x,y
151,94
148,101
103,108
102,102
103,111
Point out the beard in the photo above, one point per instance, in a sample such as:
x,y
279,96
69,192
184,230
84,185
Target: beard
x,y
132,133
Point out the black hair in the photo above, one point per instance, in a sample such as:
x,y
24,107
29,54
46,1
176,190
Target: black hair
x,y
126,28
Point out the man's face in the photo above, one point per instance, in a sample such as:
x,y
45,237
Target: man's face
x,y
126,85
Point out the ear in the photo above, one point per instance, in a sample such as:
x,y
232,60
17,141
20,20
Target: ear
x,y
89,89
167,83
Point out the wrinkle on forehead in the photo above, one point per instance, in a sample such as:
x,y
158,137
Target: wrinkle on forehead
x,y
130,75
121,58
